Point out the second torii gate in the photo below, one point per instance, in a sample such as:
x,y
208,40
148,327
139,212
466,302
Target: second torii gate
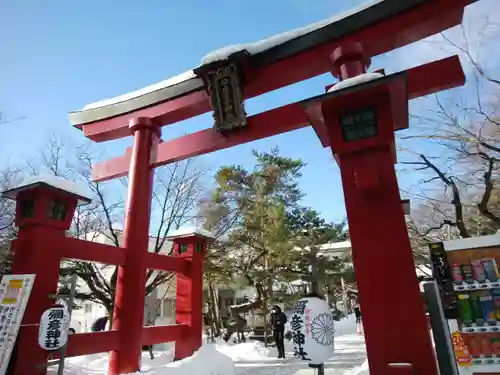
x,y
356,118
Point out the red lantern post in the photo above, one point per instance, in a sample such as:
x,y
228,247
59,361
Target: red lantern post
x,y
44,211
190,245
358,121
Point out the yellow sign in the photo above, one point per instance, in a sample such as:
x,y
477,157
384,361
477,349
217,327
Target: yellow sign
x,y
12,292
461,350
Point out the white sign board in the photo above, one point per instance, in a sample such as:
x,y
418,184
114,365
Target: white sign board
x,y
14,295
54,325
313,330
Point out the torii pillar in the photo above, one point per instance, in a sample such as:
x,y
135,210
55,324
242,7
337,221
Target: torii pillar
x,y
358,122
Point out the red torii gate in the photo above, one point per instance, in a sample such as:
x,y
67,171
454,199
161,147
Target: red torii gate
x,y
357,122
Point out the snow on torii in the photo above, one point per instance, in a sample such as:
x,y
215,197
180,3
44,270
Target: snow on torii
x,y
224,52
273,63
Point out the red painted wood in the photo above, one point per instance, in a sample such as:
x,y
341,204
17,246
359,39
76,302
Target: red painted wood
x,y
73,248
370,187
262,125
160,334
435,77
168,112
189,296
43,197
36,252
422,80
400,370
422,21
91,343
131,282
168,263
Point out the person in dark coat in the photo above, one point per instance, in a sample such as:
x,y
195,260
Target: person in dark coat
x,y
357,313
278,320
99,324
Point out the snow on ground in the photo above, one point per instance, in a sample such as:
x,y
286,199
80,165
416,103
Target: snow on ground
x,y
350,353
206,361
248,351
250,358
361,370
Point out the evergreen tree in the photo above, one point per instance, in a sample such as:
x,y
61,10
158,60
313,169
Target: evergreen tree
x,y
262,198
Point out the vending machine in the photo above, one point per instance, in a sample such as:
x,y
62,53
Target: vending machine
x,y
467,274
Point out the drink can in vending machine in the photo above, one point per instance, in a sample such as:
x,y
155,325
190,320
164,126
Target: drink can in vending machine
x,y
491,270
479,273
487,348
487,307
456,274
467,273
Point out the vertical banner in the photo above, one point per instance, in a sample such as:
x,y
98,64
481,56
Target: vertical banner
x,y
443,275
14,295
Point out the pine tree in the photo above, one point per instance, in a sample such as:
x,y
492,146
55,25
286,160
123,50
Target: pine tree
x,y
262,198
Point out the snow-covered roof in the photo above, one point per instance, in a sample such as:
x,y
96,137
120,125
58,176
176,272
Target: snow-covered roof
x,y
170,82
333,248
188,231
59,183
349,82
276,40
187,82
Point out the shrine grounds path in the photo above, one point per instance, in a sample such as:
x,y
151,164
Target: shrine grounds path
x,y
350,352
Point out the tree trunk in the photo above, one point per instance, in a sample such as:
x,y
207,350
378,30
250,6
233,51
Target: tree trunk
x,y
267,299
214,310
109,310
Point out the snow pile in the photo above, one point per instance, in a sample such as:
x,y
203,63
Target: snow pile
x,y
97,364
206,361
361,370
248,351
349,82
276,40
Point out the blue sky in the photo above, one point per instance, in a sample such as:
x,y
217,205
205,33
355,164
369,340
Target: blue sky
x,y
58,56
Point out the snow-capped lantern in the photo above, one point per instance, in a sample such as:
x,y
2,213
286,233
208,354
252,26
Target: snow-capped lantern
x,y
47,200
313,330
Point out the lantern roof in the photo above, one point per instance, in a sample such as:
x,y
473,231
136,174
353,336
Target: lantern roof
x,y
260,53
190,232
357,80
55,182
